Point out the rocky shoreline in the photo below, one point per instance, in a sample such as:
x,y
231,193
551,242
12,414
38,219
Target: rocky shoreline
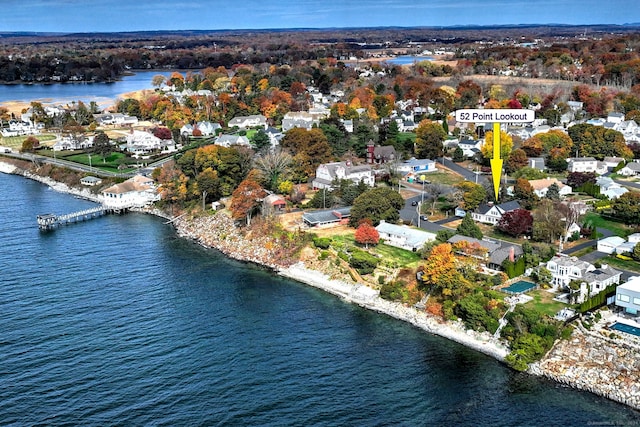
x,y
609,369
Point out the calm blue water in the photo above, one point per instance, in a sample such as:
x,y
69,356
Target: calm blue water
x,y
116,321
408,59
623,327
101,93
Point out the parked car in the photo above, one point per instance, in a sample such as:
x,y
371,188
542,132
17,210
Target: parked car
x,y
424,218
414,203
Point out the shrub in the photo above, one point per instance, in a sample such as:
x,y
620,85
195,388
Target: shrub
x,y
323,255
363,262
322,242
393,291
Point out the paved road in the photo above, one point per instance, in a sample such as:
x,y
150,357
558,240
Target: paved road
x,y
464,172
84,168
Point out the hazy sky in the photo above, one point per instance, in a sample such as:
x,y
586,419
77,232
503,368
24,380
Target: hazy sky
x,y
132,15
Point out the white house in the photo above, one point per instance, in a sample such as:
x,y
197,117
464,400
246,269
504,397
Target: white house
x,y
490,213
115,119
327,173
564,269
541,187
245,122
630,169
608,245
610,188
628,295
229,140
80,142
592,280
135,192
299,119
142,142
582,164
403,236
471,147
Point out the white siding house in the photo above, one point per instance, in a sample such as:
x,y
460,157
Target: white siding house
x,y
403,236
327,173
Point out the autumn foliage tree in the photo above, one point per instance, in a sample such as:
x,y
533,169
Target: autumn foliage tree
x,y
366,234
246,199
441,275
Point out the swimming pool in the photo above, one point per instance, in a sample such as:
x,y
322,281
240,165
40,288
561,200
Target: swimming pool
x,y
623,327
519,287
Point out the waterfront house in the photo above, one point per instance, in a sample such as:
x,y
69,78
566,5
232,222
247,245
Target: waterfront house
x,y
327,218
628,295
328,173
492,253
403,236
137,191
564,269
90,181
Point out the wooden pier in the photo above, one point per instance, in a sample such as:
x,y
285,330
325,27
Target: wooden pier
x,y
51,221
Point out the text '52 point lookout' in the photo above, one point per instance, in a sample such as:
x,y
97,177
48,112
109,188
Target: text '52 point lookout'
x,y
495,116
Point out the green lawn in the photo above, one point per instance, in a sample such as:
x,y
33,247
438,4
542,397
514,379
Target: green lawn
x,y
618,228
614,262
543,302
401,257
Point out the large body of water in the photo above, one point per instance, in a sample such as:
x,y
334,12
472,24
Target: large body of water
x,y
60,93
117,321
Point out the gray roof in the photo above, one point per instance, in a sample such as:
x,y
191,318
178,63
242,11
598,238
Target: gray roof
x,y
326,216
600,274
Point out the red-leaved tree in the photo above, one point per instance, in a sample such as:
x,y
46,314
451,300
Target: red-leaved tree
x,y
366,235
516,222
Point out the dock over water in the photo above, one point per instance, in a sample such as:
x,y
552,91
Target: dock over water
x,y
51,221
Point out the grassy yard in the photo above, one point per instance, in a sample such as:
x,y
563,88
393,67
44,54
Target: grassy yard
x,y
543,302
110,163
618,228
614,262
401,257
15,142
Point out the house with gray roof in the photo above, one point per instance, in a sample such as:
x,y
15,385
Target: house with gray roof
x,y
492,252
630,169
490,213
245,122
226,140
403,236
327,218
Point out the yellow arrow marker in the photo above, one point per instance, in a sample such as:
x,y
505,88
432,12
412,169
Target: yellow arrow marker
x,y
496,162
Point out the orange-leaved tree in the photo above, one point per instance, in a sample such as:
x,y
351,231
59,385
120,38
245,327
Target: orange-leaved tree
x,y
246,199
441,275
366,234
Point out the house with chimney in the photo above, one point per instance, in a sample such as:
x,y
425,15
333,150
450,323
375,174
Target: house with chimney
x,y
492,253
